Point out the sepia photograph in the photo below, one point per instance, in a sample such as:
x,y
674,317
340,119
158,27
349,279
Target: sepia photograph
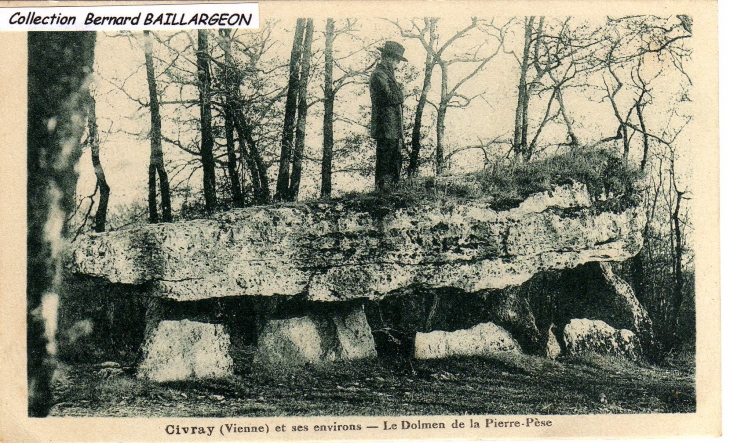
x,y
403,221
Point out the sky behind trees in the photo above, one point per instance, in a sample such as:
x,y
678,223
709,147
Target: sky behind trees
x,y
488,120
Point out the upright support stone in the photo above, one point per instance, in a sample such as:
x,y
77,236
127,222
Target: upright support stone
x,y
153,315
537,311
184,349
354,335
316,338
552,348
293,342
627,305
513,311
594,292
585,337
481,340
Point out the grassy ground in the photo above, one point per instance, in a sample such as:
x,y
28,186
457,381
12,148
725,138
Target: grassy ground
x,y
500,385
613,184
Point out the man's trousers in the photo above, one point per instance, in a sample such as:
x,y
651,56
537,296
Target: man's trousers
x,y
388,162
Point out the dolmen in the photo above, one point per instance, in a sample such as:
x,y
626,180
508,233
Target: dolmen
x,y
311,283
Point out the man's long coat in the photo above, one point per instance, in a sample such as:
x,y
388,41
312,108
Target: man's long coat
x,y
387,99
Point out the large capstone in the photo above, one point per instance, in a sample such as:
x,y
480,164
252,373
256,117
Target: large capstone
x,y
482,340
182,350
333,252
585,337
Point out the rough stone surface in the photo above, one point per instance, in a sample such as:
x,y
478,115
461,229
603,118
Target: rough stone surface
x,y
552,350
316,339
628,308
585,337
513,311
354,335
330,252
594,291
293,341
182,350
482,339
550,300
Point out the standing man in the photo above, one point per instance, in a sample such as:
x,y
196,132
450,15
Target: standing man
x,y
386,127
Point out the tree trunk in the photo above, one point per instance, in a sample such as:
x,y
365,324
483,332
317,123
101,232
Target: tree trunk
x,y
301,129
441,118
245,153
251,156
625,133
422,100
546,118
157,162
287,139
440,127
677,296
568,124
645,136
152,192
526,154
101,183
638,265
256,163
529,149
155,130
232,161
230,83
164,190
206,123
58,64
519,142
329,111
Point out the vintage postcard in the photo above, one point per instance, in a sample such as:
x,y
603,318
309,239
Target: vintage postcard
x,y
361,220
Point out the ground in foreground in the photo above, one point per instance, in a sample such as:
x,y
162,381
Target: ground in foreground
x,y
501,385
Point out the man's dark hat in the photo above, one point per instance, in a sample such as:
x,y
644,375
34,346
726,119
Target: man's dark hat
x,y
393,49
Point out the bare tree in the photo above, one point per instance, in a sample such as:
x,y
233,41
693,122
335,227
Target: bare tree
x,y
157,162
240,108
348,73
450,96
101,183
287,139
677,244
328,137
302,107
520,137
253,157
427,35
101,187
206,122
230,82
639,52
632,43
554,57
